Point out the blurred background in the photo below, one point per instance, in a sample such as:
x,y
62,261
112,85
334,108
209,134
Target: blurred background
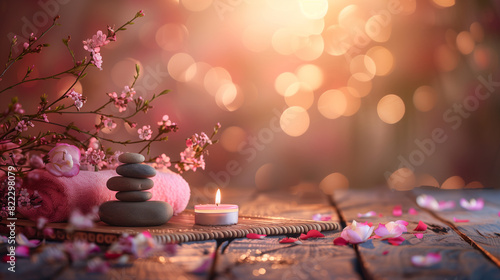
x,y
339,94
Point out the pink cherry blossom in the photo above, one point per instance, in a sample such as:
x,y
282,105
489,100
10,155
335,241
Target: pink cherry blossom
x,y
97,60
163,161
391,229
78,99
145,132
95,43
357,232
22,125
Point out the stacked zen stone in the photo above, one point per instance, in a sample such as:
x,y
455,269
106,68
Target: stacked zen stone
x,y
133,207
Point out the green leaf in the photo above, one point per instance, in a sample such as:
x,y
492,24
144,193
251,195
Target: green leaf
x,y
137,68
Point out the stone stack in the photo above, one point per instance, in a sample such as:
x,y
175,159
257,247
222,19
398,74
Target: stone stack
x,y
133,207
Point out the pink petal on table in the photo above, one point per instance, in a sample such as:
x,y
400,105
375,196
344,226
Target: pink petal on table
x,y
397,211
460,220
255,236
421,226
402,222
370,224
303,236
339,241
314,234
443,205
6,259
473,204
23,251
385,252
321,217
419,235
427,260
287,240
381,230
112,255
412,211
21,239
367,214
375,237
396,241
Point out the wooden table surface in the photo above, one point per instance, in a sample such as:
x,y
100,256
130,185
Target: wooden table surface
x,y
470,250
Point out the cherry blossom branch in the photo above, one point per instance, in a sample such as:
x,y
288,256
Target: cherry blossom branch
x,y
27,49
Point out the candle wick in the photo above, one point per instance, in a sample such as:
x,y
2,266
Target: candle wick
x,y
217,204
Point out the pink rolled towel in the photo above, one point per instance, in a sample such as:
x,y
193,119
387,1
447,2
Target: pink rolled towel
x,y
62,195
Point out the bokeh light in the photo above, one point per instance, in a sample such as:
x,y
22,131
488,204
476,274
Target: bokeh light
x,y
332,104
284,81
383,59
362,68
465,42
196,5
310,74
402,179
425,98
181,67
453,182
171,36
391,109
314,9
232,138
334,182
444,3
294,121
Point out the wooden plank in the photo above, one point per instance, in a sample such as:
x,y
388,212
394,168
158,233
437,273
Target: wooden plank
x,y
384,261
267,259
483,226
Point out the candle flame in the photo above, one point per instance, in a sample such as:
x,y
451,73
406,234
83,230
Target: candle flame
x,y
217,197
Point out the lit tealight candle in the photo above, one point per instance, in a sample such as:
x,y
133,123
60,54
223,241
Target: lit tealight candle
x,y
216,214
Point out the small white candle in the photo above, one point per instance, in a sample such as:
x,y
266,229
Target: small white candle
x,y
216,214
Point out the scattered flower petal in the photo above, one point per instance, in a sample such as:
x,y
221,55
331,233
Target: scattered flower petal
x,y
255,236
427,260
460,220
412,211
339,241
397,211
311,234
473,204
396,241
357,232
391,229
290,240
429,202
22,240
421,226
443,205
367,214
23,251
385,252
419,235
321,217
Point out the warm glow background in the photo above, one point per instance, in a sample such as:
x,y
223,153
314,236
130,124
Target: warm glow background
x,y
335,93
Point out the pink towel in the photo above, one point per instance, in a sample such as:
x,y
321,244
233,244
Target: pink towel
x,y
61,195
